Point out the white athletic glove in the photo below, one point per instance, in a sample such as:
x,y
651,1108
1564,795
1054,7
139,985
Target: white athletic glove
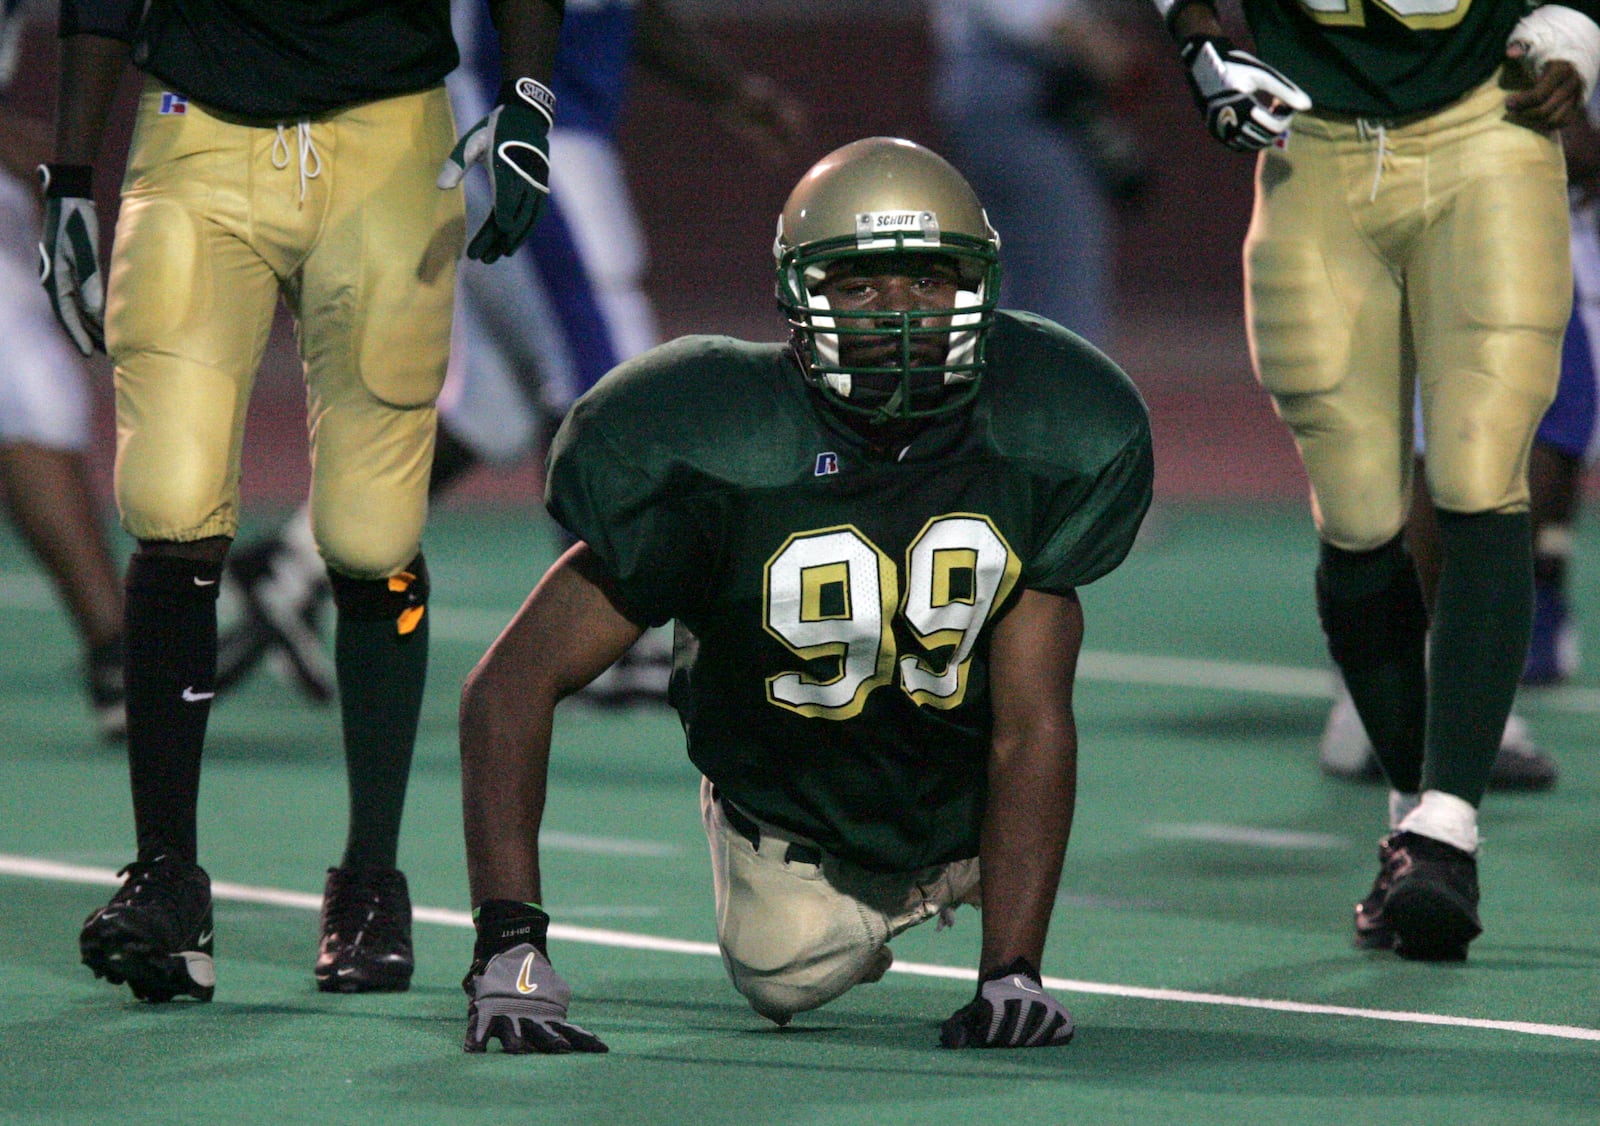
x,y
1246,103
1555,32
1011,1010
69,254
514,993
513,143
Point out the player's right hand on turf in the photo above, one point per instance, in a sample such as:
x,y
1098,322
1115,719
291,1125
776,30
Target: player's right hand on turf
x,y
514,994
1012,1010
1246,103
69,253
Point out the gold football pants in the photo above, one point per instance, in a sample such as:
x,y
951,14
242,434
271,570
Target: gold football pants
x,y
1387,258
796,933
341,217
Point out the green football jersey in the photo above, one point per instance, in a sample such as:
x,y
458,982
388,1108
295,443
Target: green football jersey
x,y
1384,58
842,602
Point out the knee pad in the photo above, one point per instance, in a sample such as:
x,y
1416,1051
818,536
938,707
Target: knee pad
x,y
401,598
1370,604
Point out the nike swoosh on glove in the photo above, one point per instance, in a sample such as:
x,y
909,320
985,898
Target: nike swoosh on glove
x,y
1246,103
514,993
69,254
513,143
1011,1010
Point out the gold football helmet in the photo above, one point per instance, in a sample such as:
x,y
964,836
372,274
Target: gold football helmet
x,y
883,195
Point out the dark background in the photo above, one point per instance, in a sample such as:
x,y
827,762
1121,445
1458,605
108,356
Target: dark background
x,y
709,207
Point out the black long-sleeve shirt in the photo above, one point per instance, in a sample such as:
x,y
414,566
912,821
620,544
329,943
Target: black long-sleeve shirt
x,y
278,59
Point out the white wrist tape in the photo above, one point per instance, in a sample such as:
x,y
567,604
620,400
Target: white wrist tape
x,y
1554,32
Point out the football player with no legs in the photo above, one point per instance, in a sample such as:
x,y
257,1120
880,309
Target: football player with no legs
x,y
315,165
870,540
1409,241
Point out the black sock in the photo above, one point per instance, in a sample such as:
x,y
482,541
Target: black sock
x,y
381,674
1483,618
171,644
1372,611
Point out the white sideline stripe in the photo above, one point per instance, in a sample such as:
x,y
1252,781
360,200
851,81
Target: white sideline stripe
x,y
609,846
1188,672
34,868
1213,833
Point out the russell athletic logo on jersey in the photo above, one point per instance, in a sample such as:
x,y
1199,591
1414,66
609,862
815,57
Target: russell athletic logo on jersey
x,y
173,103
827,464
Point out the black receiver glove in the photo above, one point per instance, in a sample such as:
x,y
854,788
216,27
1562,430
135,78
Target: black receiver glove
x,y
513,143
1011,1010
69,254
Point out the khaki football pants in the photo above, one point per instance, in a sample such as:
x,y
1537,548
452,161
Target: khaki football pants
x,y
1386,256
341,217
794,934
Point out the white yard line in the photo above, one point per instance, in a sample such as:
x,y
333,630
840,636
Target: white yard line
x,y
35,868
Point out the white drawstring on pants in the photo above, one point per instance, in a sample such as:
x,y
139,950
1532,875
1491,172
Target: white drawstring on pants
x,y
310,159
1367,129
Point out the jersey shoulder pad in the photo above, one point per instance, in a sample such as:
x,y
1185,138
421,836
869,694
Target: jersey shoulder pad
x,y
714,407
1055,399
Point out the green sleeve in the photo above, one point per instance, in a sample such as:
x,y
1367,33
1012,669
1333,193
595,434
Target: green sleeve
x,y
1096,521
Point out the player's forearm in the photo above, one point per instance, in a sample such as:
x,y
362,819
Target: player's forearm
x,y
527,31
90,68
1032,795
505,760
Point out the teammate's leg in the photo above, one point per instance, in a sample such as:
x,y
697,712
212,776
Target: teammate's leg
x,y
44,433
1326,315
1490,297
374,369
190,305
1562,451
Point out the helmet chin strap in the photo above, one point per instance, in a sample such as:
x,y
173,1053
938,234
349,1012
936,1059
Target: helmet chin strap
x,y
889,412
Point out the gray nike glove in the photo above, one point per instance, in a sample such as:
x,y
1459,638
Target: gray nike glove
x,y
1011,1010
512,143
69,266
515,995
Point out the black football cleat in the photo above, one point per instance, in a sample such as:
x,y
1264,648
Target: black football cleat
x,y
1372,926
366,932
1424,903
155,934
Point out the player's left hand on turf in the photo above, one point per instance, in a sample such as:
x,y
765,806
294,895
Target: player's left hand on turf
x,y
514,994
1247,104
513,144
69,254
1011,1010
1559,50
